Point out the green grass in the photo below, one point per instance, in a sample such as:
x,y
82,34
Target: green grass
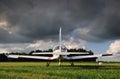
x,y
38,70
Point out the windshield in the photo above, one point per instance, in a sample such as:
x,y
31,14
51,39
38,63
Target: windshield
x,y
63,48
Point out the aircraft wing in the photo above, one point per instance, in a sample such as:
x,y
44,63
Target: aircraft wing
x,y
86,56
39,53
31,57
13,56
81,57
106,54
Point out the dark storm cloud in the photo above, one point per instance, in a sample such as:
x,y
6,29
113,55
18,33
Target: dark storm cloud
x,y
107,24
30,20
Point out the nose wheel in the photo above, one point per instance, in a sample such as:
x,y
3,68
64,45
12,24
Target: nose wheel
x,y
48,64
59,62
72,64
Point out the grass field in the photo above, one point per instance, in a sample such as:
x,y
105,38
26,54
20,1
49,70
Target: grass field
x,y
38,70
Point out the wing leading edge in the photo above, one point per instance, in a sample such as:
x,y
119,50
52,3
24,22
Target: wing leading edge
x,y
32,57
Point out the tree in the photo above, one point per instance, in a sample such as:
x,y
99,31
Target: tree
x,y
38,51
31,52
90,52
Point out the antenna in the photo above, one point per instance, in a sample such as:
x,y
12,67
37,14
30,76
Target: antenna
x,y
60,39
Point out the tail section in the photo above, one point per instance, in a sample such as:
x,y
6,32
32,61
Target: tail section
x,y
60,39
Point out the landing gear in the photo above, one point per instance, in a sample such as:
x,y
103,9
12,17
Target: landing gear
x,y
100,63
47,64
59,62
72,64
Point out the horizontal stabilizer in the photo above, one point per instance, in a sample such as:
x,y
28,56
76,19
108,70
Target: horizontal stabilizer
x,y
60,53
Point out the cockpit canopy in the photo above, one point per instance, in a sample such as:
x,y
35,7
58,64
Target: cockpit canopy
x,y
63,48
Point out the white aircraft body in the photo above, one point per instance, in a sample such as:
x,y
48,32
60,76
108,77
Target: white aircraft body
x,y
58,51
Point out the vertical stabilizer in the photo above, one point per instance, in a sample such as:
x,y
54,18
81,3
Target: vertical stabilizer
x,y
60,39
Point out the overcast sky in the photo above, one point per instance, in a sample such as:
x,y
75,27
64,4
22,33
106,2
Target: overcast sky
x,y
27,25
